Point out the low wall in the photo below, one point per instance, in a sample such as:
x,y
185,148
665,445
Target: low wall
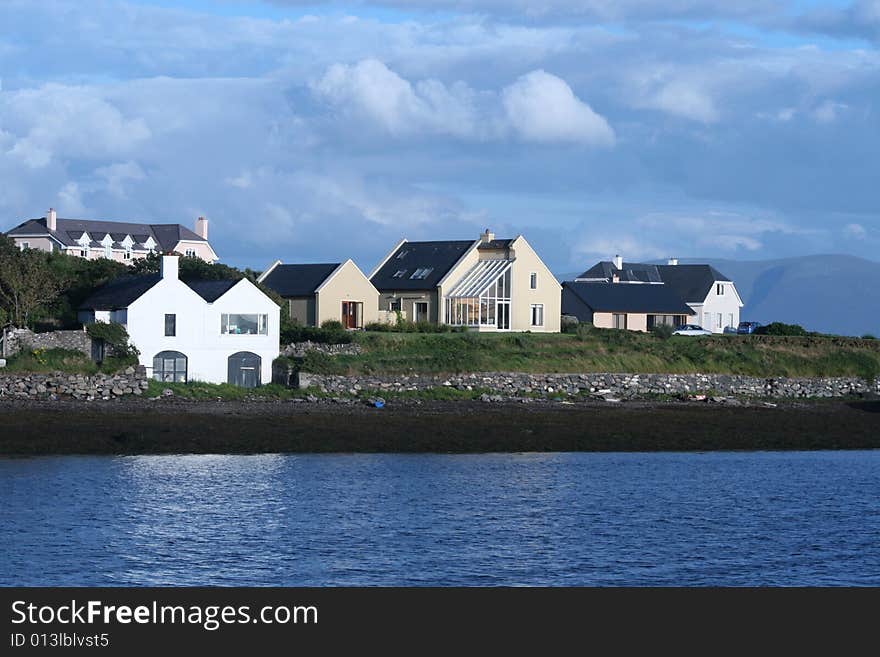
x,y
624,386
299,349
19,339
133,381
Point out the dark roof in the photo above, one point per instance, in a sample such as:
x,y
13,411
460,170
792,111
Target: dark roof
x,y
124,291
632,272
210,291
616,297
691,282
432,260
120,293
298,280
68,231
494,244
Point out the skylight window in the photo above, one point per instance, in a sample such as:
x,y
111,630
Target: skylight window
x,y
421,273
400,273
401,254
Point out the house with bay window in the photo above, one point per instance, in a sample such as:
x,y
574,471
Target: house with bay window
x,y
217,331
486,284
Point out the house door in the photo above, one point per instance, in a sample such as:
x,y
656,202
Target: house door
x,y
420,311
350,314
502,315
244,369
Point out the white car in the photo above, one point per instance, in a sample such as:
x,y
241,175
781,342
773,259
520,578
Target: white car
x,y
691,329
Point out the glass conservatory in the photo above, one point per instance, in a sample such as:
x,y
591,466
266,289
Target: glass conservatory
x,y
481,299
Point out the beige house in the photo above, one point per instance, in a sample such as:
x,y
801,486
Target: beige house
x,y
636,307
115,240
315,293
485,285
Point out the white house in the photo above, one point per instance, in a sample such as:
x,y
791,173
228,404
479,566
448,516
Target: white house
x,y
711,296
223,331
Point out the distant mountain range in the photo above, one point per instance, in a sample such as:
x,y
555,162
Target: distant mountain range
x,y
827,293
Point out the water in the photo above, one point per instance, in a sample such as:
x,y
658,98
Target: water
x,y
808,518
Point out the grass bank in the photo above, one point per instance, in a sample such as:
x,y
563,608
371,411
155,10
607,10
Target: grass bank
x,y
598,350
68,361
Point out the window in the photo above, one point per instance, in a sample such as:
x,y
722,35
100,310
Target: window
x,y
83,253
244,324
537,314
401,254
400,273
170,325
720,322
719,289
730,320
394,305
533,281
127,254
108,252
421,273
491,308
24,245
169,366
618,320
190,253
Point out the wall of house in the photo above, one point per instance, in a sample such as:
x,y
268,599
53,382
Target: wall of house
x,y
408,298
198,334
548,292
727,304
347,283
38,243
302,310
203,250
634,321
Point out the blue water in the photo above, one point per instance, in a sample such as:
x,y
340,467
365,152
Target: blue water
x,y
807,518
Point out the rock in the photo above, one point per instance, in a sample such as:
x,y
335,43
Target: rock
x,y
167,392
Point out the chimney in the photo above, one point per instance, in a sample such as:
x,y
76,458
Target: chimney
x,y
202,228
618,262
169,267
486,236
672,261
52,220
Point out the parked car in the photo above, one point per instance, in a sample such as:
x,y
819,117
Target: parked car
x,y
691,329
747,328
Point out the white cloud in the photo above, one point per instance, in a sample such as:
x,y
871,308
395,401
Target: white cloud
x,y
542,107
829,111
855,231
685,100
116,175
70,201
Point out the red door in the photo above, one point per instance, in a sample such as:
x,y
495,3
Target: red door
x,y
349,314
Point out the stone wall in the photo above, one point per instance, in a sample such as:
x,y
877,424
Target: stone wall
x,y
299,349
19,339
621,386
133,381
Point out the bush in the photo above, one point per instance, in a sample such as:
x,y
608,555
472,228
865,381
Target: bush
x,y
332,325
122,352
780,328
584,331
406,326
569,324
662,331
868,336
381,327
297,333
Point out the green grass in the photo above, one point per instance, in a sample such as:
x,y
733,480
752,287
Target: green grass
x,y
598,350
199,391
45,361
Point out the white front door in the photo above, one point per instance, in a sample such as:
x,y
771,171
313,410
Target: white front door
x,y
707,321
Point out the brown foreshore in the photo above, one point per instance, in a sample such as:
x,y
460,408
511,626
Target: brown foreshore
x,y
172,426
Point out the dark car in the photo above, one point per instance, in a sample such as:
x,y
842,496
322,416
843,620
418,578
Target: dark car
x,y
747,328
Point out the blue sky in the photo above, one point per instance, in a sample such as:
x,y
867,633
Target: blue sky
x,y
312,131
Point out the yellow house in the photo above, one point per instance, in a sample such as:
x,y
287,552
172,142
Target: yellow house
x,y
486,284
315,293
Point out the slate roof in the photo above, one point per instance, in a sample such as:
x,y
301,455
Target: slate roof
x,y
69,231
124,291
632,272
614,297
411,257
691,282
494,244
298,280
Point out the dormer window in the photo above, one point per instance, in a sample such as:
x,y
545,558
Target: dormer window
x,y
421,273
190,253
719,289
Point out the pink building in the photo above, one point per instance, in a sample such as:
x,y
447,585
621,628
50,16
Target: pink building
x,y
116,240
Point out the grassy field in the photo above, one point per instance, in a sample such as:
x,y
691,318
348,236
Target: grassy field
x,y
597,350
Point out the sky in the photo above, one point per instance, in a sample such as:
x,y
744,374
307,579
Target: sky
x,y
318,131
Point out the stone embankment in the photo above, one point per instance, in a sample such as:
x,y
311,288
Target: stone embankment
x,y
620,386
133,381
18,339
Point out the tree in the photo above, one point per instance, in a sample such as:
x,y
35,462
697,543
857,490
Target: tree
x,y
27,284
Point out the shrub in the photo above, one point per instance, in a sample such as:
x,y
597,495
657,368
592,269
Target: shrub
x,y
122,352
332,325
662,331
780,328
869,336
569,324
297,333
584,331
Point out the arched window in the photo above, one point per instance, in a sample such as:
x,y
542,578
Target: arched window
x,y
169,366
